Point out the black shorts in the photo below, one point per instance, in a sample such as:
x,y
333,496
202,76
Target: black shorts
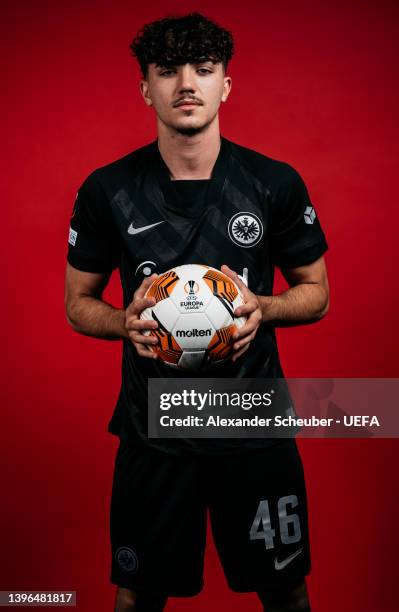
x,y
257,507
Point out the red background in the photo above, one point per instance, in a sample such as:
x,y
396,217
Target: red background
x,y
314,84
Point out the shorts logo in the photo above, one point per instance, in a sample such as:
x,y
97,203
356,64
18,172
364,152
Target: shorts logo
x,y
72,236
127,559
309,215
245,229
279,565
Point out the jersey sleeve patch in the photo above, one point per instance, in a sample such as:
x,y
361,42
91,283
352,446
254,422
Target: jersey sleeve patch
x,y
72,236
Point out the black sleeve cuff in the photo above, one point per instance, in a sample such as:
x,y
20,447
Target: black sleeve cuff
x,y
89,265
304,257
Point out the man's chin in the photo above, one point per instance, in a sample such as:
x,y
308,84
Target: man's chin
x,y
190,130
186,126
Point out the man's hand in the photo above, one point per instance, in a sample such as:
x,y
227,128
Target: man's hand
x,y
251,309
135,326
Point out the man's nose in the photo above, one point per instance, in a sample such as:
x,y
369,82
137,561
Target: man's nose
x,y
186,79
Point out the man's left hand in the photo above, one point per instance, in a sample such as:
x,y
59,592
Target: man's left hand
x,y
251,308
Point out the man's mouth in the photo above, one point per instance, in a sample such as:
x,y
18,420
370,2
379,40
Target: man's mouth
x,y
187,102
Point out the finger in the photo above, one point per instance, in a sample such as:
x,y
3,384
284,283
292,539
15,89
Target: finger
x,y
248,328
246,308
144,340
145,352
140,304
239,353
134,324
142,349
245,339
234,276
145,285
253,321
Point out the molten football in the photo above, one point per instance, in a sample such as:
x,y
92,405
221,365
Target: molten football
x,y
194,310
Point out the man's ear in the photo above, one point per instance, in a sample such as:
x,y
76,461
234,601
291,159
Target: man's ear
x,y
227,83
145,92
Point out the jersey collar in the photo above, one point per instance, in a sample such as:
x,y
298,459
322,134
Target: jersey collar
x,y
216,183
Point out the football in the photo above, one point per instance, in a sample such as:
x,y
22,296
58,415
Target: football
x,y
194,310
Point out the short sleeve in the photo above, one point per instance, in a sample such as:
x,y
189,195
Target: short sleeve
x,y
296,236
92,243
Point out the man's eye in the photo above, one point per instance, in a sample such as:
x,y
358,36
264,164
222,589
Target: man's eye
x,y
171,71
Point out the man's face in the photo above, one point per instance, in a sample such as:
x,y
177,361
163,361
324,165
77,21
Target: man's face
x,y
186,98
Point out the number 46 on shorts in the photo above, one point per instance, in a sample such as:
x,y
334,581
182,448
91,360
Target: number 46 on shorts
x,y
290,527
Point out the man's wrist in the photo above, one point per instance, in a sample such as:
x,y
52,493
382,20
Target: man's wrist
x,y
123,332
303,303
268,306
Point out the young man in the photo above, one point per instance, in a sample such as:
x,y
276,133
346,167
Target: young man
x,y
190,197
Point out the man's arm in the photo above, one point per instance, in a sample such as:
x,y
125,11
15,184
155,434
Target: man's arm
x,y
88,314
86,311
306,301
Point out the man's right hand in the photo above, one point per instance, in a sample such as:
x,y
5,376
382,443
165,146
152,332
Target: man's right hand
x,y
135,326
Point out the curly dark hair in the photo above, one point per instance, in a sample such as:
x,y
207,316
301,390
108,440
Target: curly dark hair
x,y
174,41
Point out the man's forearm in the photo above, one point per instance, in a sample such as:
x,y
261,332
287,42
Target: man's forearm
x,y
93,317
299,305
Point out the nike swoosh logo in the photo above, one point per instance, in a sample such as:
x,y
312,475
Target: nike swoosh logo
x,y
137,230
279,565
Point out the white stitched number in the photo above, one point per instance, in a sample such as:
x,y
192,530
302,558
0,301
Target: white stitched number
x,y
261,528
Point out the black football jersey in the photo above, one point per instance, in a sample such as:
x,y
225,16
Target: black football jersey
x,y
253,214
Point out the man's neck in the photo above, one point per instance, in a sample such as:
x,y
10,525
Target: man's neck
x,y
190,157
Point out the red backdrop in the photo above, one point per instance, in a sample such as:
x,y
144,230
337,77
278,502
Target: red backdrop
x,y
314,84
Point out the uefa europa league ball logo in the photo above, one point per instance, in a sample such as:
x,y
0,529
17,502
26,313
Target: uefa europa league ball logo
x,y
191,287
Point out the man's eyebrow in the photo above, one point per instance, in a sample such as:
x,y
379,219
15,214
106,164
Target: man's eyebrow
x,y
194,62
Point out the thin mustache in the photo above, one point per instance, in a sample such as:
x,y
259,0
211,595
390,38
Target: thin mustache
x,y
188,99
